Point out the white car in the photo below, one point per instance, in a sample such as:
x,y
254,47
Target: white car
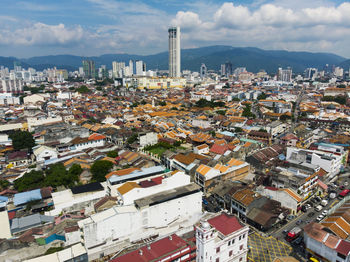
x,y
346,184
319,218
324,213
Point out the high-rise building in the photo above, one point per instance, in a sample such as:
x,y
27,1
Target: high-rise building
x,y
117,68
131,67
140,68
203,71
226,69
174,52
284,75
89,68
310,73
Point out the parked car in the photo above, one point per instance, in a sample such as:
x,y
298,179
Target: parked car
x,y
318,208
299,222
341,187
346,183
332,195
324,212
319,218
285,231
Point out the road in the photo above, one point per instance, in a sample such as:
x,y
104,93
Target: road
x,y
306,217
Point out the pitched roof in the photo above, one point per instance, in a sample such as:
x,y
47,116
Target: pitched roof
x,y
122,172
225,224
126,187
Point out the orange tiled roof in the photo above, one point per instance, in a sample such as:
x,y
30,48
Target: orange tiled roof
x,y
128,186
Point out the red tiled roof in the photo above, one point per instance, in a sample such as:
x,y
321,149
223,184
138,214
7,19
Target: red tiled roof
x,y
159,249
225,224
218,149
343,247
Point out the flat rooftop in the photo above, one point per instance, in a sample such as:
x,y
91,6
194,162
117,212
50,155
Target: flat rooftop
x,y
167,195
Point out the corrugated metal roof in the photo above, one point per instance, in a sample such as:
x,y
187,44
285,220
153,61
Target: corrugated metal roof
x,y
137,173
25,197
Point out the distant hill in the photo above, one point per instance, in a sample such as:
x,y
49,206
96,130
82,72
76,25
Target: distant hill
x,y
252,58
345,64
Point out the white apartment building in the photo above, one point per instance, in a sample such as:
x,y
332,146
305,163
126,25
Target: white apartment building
x,y
331,163
11,86
221,238
161,214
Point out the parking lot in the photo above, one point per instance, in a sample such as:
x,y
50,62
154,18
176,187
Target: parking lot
x,y
265,249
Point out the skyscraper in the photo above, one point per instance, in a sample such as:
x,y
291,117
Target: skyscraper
x,y
140,68
174,52
89,68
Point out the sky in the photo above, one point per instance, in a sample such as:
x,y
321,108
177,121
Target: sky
x,y
95,27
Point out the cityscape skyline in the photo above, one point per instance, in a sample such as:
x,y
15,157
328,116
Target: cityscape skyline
x,y
104,26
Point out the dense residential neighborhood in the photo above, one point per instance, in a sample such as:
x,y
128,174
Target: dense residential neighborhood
x,y
116,162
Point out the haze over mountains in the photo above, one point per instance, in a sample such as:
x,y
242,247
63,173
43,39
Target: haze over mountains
x,y
252,58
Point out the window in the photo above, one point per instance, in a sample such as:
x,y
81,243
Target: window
x,y
217,260
217,249
240,259
240,237
240,247
230,253
229,243
342,256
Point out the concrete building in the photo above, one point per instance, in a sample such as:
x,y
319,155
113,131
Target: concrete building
x,y
14,86
174,52
148,139
140,68
284,75
146,82
159,215
221,238
89,69
117,69
233,170
329,162
43,153
130,191
324,245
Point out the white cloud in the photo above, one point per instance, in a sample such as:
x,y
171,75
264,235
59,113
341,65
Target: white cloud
x,y
321,28
42,34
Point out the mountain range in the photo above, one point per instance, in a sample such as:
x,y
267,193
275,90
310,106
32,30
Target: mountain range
x,y
252,58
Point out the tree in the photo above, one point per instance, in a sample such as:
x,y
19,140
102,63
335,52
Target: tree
x,y
99,88
112,154
33,179
132,139
22,140
262,96
238,129
83,89
100,169
4,184
74,171
247,112
221,112
162,103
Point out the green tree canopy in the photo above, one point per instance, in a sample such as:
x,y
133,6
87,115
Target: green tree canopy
x,y
100,169
32,180
83,89
113,154
4,184
22,140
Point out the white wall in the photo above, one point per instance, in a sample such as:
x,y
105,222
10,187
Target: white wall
x,y
177,180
